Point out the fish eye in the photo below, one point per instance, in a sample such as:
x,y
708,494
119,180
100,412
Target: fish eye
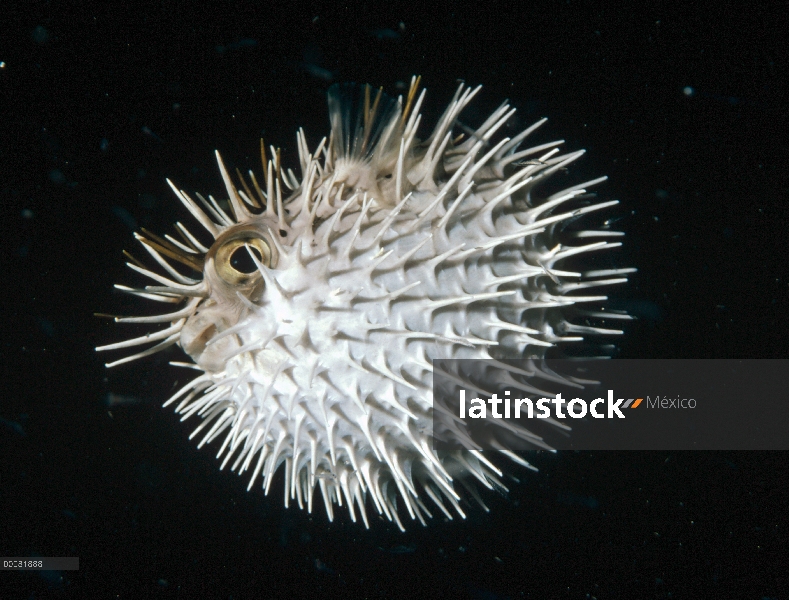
x,y
233,262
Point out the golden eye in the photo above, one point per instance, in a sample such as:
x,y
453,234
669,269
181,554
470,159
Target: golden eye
x,y
234,264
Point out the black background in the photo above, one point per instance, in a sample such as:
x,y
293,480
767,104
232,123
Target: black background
x,y
101,102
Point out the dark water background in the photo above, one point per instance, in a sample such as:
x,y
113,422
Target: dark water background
x,y
683,108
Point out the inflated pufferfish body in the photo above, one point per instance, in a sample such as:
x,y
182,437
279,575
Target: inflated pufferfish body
x,y
325,298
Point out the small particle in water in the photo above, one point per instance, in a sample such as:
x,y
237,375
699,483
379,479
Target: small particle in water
x,y
147,131
112,399
13,426
323,567
146,201
571,499
316,71
245,43
40,35
46,326
399,549
385,34
125,216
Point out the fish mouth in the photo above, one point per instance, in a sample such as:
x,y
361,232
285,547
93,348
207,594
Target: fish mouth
x,y
201,339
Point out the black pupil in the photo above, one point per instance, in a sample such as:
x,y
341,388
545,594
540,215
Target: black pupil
x,y
242,262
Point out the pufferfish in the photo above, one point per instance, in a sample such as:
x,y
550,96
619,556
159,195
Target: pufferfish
x,y
315,304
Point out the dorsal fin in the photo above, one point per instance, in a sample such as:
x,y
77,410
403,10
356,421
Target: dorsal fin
x,y
363,121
